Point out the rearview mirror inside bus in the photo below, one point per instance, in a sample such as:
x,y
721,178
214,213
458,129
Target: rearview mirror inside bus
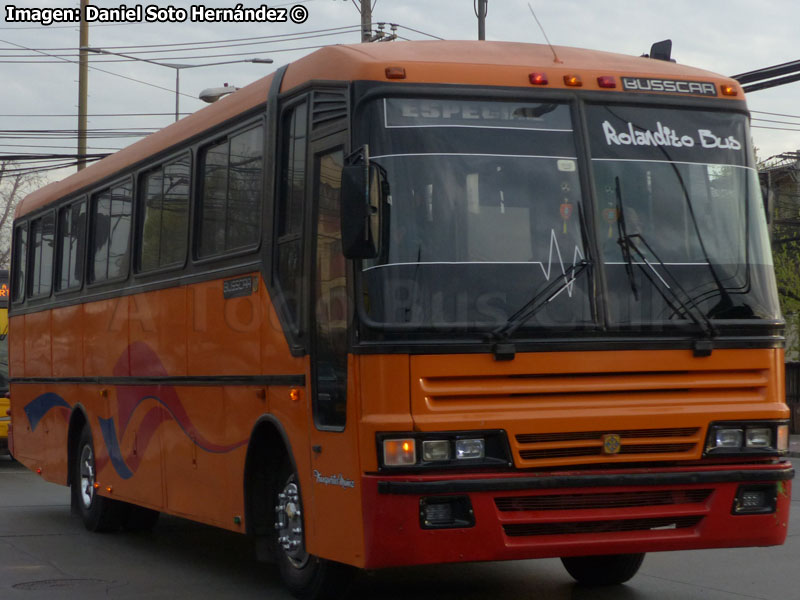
x,y
364,188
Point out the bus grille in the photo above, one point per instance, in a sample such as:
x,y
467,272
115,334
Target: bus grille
x,y
531,529
534,407
602,501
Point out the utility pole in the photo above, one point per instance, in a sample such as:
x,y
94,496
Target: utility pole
x,y
366,21
83,86
483,9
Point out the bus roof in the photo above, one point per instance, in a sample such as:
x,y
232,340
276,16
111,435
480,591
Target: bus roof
x,y
454,62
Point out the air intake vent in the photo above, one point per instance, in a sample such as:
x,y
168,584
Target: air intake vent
x,y
526,529
329,106
602,501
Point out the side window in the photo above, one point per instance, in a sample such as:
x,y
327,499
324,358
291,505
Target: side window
x,y
71,236
230,208
111,225
20,262
289,244
165,215
42,240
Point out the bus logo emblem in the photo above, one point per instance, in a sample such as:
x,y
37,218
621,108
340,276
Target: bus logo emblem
x,y
612,443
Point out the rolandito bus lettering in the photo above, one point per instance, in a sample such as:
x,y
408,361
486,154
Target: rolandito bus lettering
x,y
667,137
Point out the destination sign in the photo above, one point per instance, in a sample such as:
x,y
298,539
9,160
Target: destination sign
x,y
412,112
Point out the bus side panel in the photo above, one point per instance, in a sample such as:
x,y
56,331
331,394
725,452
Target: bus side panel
x,y
67,327
16,346
105,338
224,334
159,321
39,419
38,348
200,458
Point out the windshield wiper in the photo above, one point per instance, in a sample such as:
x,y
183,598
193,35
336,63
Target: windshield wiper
x,y
539,300
667,292
622,231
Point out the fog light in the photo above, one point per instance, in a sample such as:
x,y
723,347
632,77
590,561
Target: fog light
x,y
445,512
758,437
755,499
729,438
469,449
433,450
438,515
398,453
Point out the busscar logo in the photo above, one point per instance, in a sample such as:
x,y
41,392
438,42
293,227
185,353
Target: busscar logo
x,y
669,86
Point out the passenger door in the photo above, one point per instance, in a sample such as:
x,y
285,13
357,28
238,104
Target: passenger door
x,y
334,459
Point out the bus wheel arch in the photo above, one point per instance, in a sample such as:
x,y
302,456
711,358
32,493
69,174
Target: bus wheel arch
x,y
77,421
267,452
273,497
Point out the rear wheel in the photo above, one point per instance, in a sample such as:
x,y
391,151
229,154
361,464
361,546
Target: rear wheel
x,y
603,570
97,512
306,576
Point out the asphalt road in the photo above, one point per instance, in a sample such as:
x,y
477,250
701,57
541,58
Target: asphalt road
x,y
46,554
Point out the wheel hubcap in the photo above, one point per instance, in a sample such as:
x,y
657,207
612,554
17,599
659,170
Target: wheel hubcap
x,y
87,476
289,524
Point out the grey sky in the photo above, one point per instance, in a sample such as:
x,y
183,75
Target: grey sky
x,y
726,36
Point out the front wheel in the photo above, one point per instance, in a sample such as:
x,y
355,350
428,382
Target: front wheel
x,y
307,577
603,570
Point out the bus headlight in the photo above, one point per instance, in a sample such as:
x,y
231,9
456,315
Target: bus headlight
x,y
757,437
470,449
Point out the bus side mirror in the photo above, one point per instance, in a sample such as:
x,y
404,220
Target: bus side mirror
x,y
364,188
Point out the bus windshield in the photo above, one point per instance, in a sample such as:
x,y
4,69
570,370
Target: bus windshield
x,y
487,209
680,186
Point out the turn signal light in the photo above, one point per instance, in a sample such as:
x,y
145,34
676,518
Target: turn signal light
x,y
728,90
398,453
573,80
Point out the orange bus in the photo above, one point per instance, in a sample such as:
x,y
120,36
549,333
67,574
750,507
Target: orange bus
x,y
414,303
4,403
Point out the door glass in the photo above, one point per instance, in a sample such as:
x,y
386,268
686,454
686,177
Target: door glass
x,y
330,307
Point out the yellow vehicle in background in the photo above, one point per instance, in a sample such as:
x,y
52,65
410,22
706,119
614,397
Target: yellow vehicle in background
x,y
4,403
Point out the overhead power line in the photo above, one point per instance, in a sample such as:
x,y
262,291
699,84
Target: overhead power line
x,y
172,48
153,85
131,48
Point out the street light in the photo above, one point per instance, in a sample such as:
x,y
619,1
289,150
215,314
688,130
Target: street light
x,y
211,95
177,67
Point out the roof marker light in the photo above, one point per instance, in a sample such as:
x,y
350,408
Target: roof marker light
x,y
538,78
606,81
728,90
395,73
573,80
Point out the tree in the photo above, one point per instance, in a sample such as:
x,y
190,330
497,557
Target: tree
x,y
15,183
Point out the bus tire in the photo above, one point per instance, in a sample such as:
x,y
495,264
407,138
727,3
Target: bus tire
x,y
306,576
97,512
611,569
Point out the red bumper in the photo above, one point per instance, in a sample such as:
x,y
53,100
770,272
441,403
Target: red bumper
x,y
521,516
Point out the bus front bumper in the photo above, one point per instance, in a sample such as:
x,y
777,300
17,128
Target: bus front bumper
x,y
421,519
